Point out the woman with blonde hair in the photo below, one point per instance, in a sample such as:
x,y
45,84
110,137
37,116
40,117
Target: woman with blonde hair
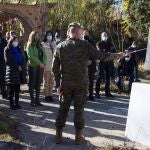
x,y
36,63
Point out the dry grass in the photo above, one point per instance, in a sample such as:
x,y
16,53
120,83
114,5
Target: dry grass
x,y
142,73
125,146
8,128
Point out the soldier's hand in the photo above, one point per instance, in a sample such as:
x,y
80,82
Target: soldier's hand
x,y
59,90
120,55
89,62
41,65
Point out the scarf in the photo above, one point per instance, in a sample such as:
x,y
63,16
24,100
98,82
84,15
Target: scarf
x,y
17,55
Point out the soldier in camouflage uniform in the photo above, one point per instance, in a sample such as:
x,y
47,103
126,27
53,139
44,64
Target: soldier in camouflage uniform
x,y
71,76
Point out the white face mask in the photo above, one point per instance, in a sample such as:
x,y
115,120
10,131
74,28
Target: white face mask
x,y
127,59
49,38
57,40
81,37
15,44
104,38
134,46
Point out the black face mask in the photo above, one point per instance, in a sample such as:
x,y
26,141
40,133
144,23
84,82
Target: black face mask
x,y
86,37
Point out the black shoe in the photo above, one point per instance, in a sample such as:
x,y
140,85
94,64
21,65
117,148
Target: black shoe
x,y
51,99
33,104
109,95
91,98
97,96
12,107
137,80
18,107
119,92
39,104
4,96
46,98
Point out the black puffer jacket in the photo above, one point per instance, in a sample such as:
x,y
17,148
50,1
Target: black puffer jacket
x,y
3,44
13,75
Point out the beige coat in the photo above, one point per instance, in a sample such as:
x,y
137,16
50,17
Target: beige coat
x,y
49,53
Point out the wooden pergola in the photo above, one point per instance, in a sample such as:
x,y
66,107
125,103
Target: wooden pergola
x,y
31,16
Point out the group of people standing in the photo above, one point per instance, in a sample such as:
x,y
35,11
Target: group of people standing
x,y
71,62
39,56
36,61
127,67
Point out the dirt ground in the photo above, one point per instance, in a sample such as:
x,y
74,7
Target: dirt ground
x,y
105,121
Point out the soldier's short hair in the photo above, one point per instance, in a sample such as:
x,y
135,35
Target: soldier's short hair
x,y
75,24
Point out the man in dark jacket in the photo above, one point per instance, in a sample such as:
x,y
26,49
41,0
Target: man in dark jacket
x,y
105,67
126,69
91,66
132,48
58,38
3,44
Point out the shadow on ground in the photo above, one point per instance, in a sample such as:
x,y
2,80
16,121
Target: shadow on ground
x,y
37,127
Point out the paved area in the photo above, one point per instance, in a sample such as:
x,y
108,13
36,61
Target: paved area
x,y
105,124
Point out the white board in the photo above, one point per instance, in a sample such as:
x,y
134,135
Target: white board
x,y
138,120
147,60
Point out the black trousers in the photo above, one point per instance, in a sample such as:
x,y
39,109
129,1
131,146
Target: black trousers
x,y
131,80
104,70
13,92
91,82
35,80
2,79
136,71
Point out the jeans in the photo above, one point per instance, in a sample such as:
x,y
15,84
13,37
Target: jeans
x,y
35,80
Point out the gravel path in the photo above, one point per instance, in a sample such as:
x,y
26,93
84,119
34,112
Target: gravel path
x,y
105,123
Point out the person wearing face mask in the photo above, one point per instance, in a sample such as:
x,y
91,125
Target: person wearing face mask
x,y
36,64
105,68
126,69
58,38
132,48
48,44
91,66
14,61
3,44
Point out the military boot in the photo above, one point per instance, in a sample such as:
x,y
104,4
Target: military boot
x,y
79,138
59,137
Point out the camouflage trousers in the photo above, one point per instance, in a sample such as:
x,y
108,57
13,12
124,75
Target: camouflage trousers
x,y
48,83
78,96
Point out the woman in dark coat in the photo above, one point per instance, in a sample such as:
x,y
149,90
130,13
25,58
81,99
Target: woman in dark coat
x,y
14,72
3,44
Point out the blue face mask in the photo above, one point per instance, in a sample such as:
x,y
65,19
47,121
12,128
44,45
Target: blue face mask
x,y
49,38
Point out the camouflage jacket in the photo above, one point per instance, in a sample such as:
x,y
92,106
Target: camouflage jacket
x,y
70,62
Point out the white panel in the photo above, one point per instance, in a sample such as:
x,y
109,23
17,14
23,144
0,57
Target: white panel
x,y
147,60
138,120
